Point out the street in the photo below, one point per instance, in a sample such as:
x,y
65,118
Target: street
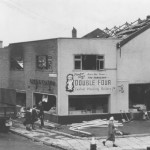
x,y
10,141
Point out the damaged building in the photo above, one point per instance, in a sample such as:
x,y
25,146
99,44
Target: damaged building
x,y
102,73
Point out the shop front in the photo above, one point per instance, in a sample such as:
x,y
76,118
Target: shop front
x,y
21,98
88,104
139,96
48,100
91,92
44,91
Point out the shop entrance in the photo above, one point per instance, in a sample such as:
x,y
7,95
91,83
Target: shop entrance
x,y
88,104
21,98
49,101
139,94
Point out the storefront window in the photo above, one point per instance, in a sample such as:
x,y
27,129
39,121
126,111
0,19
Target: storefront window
x,y
48,101
88,104
21,98
89,62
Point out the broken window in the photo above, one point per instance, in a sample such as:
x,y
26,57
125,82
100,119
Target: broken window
x,y
48,101
89,62
44,62
16,63
16,57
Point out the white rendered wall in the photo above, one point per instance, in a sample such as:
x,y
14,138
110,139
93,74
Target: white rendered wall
x,y
133,65
67,48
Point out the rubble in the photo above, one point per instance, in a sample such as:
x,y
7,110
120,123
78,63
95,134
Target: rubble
x,y
98,123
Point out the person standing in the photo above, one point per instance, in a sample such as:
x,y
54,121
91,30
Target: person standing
x,y
28,119
34,116
111,132
41,114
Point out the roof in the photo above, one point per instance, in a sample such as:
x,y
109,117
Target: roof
x,y
97,33
128,31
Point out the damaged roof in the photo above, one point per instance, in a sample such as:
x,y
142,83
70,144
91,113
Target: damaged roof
x,y
128,31
97,33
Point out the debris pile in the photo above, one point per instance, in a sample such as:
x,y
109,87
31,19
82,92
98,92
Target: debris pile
x,y
98,123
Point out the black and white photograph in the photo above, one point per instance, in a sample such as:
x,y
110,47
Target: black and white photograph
x,y
74,74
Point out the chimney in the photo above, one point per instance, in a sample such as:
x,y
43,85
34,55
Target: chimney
x,y
148,17
74,33
1,44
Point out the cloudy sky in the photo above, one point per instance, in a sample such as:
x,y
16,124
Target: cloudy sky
x,y
26,20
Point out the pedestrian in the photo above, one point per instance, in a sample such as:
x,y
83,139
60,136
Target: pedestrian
x,y
41,114
145,115
34,116
22,112
28,119
111,132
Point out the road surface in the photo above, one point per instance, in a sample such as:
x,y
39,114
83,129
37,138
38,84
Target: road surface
x,y
10,141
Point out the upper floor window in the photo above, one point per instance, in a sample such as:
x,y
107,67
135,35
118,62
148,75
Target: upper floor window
x,y
44,62
16,63
16,57
89,62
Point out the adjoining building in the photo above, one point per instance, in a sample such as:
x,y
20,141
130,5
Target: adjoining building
x,y
133,62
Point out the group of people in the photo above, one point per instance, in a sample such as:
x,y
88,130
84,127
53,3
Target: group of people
x,y
32,115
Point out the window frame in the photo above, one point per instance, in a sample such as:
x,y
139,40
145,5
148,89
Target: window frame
x,y
97,59
78,59
13,58
100,60
47,59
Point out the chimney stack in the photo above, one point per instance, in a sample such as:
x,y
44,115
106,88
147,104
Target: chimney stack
x,y
1,44
74,33
148,17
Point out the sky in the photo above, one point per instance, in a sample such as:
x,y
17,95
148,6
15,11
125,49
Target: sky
x,y
28,20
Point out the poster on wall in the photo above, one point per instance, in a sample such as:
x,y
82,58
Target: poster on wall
x,y
93,81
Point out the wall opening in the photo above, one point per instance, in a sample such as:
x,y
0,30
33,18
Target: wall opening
x,y
21,98
49,102
88,104
139,94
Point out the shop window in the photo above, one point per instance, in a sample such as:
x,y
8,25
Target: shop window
x,y
139,96
88,104
44,62
21,99
89,62
49,102
16,63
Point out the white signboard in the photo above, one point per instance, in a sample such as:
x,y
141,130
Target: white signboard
x,y
93,81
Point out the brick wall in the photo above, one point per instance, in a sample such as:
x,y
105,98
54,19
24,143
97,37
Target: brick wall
x,y
21,79
4,67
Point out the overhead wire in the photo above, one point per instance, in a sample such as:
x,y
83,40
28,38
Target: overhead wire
x,y
44,19
14,7
26,11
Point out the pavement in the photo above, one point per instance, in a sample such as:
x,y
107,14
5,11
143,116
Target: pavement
x,y
65,141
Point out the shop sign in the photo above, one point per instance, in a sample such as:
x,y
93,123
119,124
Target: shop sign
x,y
88,82
52,75
42,82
